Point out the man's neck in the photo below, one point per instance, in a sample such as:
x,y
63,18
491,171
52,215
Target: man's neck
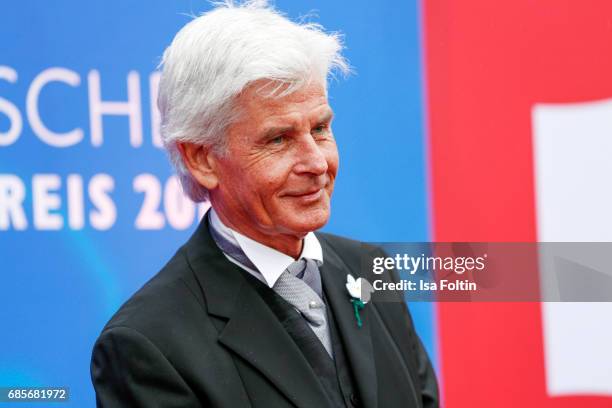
x,y
285,243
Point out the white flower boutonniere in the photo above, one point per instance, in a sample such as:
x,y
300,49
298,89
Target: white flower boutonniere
x,y
359,295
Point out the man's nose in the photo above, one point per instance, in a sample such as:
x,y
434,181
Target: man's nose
x,y
311,158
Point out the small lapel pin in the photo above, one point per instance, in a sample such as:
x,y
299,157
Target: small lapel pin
x,y
358,298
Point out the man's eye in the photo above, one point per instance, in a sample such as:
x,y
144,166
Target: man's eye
x,y
319,129
278,139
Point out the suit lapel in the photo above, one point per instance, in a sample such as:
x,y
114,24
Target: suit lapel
x,y
357,341
252,331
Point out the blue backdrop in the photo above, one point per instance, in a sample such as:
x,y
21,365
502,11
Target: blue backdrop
x,y
87,213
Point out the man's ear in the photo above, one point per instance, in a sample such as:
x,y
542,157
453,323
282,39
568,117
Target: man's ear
x,y
201,163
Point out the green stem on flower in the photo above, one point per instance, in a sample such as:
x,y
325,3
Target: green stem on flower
x,y
357,306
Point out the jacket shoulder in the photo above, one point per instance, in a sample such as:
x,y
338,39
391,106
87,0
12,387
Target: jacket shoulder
x,y
160,303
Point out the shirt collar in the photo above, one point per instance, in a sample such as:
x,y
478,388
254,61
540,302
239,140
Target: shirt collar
x,y
269,262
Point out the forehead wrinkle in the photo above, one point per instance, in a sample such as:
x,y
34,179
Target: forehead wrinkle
x,y
297,110
290,120
296,120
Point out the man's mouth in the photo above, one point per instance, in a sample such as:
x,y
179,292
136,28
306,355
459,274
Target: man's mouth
x,y
307,195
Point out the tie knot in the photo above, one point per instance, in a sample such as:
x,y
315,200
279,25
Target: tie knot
x,y
297,268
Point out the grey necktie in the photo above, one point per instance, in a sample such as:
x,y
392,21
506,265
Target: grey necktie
x,y
299,285
305,298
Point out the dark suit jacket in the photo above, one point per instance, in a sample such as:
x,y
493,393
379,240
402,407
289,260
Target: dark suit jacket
x,y
198,335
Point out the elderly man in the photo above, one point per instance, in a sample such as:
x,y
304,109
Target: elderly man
x,y
253,311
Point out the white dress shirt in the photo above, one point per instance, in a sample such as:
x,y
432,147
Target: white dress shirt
x,y
269,262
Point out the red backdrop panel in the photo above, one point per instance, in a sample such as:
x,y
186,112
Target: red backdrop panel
x,y
487,63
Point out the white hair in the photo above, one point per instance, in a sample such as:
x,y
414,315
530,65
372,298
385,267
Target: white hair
x,y
216,55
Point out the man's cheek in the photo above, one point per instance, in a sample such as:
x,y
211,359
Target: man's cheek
x,y
332,164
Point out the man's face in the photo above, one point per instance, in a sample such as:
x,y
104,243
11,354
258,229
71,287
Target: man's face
x,y
277,177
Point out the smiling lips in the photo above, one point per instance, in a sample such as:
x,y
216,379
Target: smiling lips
x,y
307,195
311,196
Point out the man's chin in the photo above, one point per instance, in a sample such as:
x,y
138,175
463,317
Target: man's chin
x,y
309,222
